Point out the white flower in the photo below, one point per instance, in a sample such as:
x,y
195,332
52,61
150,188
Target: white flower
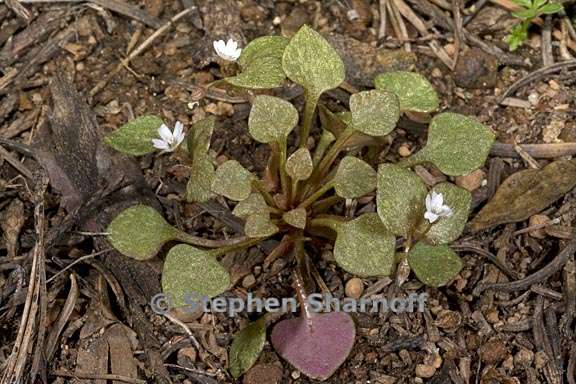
x,y
435,207
228,51
169,141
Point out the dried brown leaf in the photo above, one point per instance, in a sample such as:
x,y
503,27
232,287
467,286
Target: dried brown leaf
x,y
526,193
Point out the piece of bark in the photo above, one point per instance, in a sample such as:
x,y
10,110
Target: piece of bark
x,y
100,183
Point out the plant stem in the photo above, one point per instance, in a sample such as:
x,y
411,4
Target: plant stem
x,y
208,243
267,196
322,205
329,158
311,101
248,242
329,221
316,195
284,180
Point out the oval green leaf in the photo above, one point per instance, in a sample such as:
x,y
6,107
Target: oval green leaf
x,y
400,199
247,346
296,217
191,272
365,247
199,187
253,205
310,61
259,225
271,119
354,178
233,181
261,64
139,232
135,137
414,91
448,229
199,137
434,265
457,144
375,112
299,165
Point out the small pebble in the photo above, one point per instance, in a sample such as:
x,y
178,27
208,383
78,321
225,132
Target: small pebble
x,y
471,181
534,220
404,150
354,288
437,73
524,358
533,98
249,281
295,375
425,371
554,85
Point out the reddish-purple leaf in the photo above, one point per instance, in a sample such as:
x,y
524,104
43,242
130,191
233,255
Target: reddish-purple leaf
x,y
316,346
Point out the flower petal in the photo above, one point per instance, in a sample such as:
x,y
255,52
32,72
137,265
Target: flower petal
x,y
437,200
165,133
160,144
430,216
445,211
178,131
429,202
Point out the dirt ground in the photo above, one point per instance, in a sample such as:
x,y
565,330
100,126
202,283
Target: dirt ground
x,y
73,310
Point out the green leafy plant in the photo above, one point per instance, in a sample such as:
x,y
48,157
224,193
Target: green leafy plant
x,y
530,9
304,187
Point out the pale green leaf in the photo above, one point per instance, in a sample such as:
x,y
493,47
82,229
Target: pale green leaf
x,y
413,90
271,119
199,137
135,137
139,232
434,265
457,144
253,205
354,178
400,199
191,272
375,112
448,229
259,225
199,187
310,61
233,181
261,64
299,165
296,217
247,346
365,247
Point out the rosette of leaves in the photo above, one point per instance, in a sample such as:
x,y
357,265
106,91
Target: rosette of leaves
x,y
298,195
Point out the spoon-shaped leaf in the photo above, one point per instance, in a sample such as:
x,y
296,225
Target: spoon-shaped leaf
x,y
310,61
316,346
296,217
199,187
375,112
259,225
247,346
400,199
261,64
299,165
192,272
354,178
434,265
233,181
253,205
135,137
139,232
365,247
448,229
413,90
457,144
271,119
199,137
